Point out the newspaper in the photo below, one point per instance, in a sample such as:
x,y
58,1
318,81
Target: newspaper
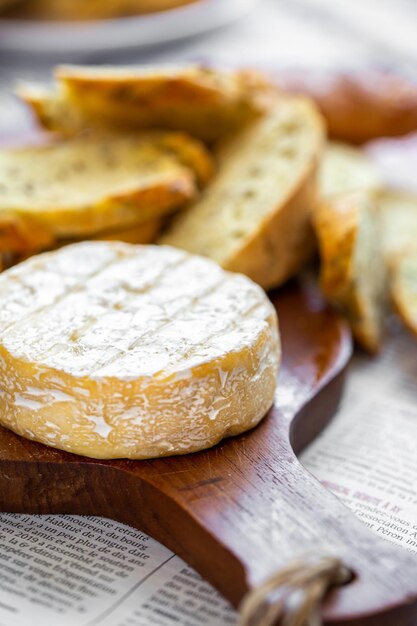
x,y
85,571
88,571
367,455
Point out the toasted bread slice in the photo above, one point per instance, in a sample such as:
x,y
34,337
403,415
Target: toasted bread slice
x,y
142,233
353,274
138,233
404,288
206,103
57,114
397,212
345,168
254,218
398,216
51,109
85,185
190,152
22,235
358,105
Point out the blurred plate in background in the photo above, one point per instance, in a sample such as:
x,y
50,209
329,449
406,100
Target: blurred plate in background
x,y
118,34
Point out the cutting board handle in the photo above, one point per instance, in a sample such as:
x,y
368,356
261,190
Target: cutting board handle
x,y
294,594
257,510
311,524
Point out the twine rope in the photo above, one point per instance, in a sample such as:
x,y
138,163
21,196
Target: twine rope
x,y
293,596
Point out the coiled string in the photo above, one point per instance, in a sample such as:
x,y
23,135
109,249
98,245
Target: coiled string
x,y
293,596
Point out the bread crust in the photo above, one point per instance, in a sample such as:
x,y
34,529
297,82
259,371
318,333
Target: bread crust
x,y
205,102
337,222
345,168
82,186
138,233
284,241
49,108
403,288
22,235
358,107
397,214
272,249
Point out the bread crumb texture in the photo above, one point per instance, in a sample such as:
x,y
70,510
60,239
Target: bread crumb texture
x,y
397,211
353,274
89,184
208,103
254,218
404,288
345,168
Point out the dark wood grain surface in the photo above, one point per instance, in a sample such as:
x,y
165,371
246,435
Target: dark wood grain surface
x,y
247,507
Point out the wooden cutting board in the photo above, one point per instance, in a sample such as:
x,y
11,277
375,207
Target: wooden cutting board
x,y
244,509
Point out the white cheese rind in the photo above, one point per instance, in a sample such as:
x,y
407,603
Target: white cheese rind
x,y
111,350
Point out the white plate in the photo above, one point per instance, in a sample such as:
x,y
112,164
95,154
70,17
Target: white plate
x,y
131,32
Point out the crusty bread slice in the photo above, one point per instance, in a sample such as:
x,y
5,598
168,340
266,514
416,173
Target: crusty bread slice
x,y
397,212
142,233
138,233
205,102
254,218
189,151
403,277
56,113
345,168
50,108
358,105
88,184
353,274
22,235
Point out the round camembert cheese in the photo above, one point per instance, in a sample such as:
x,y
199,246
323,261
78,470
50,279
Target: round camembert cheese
x,y
112,350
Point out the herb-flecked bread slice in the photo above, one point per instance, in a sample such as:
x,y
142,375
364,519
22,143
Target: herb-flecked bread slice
x,y
358,105
22,235
138,233
345,168
205,102
85,185
56,113
397,212
51,109
254,217
404,288
353,273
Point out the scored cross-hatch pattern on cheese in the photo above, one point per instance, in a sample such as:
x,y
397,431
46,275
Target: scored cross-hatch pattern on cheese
x,y
29,289
140,325
66,308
